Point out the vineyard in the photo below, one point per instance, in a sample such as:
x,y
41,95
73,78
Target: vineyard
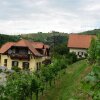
x,y
24,85
82,79
66,78
91,83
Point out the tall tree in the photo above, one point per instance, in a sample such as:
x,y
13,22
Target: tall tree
x,y
92,51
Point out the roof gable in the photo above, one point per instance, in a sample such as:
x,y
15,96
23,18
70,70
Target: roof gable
x,y
32,46
26,43
6,46
22,43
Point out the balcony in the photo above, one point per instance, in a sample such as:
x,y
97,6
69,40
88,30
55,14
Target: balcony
x,y
20,56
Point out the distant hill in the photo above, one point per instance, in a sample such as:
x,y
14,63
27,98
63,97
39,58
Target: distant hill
x,y
41,36
8,38
92,32
48,38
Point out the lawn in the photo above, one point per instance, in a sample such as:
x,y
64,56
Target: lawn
x,y
69,85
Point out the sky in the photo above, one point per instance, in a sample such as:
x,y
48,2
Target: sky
x,y
30,16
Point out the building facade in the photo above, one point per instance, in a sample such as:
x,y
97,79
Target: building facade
x,y
24,54
79,44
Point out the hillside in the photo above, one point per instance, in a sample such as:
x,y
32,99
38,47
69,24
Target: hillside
x,y
69,86
48,38
93,32
44,37
8,38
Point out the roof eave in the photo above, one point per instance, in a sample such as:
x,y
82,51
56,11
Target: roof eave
x,y
78,47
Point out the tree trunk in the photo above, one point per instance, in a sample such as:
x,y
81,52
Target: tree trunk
x,y
50,83
54,81
46,85
31,95
37,95
42,92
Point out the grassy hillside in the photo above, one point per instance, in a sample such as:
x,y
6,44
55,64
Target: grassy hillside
x,y
93,32
69,87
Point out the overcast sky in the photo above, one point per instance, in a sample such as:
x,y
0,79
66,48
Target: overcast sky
x,y
27,16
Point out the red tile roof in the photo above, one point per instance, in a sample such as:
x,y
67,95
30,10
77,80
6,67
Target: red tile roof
x,y
6,46
21,43
79,41
24,43
38,45
46,46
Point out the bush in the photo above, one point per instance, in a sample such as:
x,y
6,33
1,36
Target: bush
x,y
91,83
0,70
17,69
71,58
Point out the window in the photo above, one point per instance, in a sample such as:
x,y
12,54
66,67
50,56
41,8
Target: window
x,y
14,63
78,53
38,65
25,65
82,53
80,56
5,62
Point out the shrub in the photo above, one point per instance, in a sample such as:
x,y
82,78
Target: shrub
x,y
91,83
71,58
17,69
0,70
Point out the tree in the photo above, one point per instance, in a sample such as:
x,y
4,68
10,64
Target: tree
x,y
92,51
18,86
61,49
35,86
97,51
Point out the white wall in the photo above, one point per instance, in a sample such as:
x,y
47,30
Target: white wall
x,y
78,52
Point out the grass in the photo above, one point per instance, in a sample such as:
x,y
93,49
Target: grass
x,y
69,85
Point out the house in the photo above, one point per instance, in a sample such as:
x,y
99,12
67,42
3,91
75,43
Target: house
x,y
79,44
24,54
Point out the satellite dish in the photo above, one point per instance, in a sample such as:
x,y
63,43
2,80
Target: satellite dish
x,y
10,51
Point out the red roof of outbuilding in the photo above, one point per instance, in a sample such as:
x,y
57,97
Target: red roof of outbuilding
x,y
79,41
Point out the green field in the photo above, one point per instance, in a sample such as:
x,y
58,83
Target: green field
x,y
69,85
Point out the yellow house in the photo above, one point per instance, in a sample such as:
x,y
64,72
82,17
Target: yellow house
x,y
24,54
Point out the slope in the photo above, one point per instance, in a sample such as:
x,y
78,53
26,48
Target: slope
x,y
69,86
